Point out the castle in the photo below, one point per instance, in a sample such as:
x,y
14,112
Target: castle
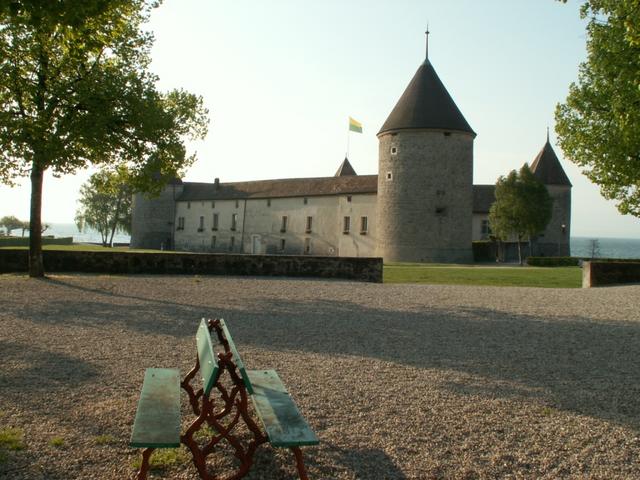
x,y
421,207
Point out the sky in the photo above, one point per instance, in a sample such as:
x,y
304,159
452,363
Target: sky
x,y
280,79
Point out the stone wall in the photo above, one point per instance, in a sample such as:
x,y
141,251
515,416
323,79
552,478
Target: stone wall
x,y
425,196
361,269
595,274
152,219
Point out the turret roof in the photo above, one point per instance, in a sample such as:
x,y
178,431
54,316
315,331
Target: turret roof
x,y
546,167
426,104
345,169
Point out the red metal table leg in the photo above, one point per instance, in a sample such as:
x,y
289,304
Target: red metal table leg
x,y
302,472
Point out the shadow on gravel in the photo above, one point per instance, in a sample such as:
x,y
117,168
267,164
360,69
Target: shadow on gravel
x,y
572,363
34,369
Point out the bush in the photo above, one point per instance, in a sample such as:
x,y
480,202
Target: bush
x,y
553,261
483,251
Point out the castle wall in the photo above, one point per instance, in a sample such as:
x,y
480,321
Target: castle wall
x,y
425,196
152,219
259,226
556,237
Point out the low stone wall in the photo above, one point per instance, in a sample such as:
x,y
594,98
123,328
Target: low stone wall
x,y
24,241
595,274
351,268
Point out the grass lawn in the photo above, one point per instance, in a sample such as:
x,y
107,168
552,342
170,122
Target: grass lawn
x,y
508,276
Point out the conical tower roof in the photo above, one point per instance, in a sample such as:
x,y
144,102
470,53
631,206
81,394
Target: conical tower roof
x,y
426,104
345,169
546,167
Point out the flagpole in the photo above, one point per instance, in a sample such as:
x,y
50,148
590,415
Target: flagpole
x,y
348,141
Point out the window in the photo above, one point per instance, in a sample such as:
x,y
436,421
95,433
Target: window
x,y
305,201
309,224
215,222
439,193
441,211
234,221
389,176
232,243
201,227
364,225
237,203
307,245
394,150
213,241
180,223
213,204
283,226
447,134
346,225
188,205
349,198
485,229
268,202
282,244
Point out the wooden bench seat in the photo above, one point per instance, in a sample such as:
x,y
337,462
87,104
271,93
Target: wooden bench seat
x,y
283,422
157,423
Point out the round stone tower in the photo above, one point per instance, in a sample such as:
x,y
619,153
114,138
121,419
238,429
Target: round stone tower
x,y
152,218
425,176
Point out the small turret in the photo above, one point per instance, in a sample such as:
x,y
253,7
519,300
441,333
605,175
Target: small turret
x,y
547,168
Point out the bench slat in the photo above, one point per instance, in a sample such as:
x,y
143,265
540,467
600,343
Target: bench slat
x,y
285,425
236,357
206,358
157,423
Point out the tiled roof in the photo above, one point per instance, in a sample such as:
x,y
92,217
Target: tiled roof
x,y
546,167
290,187
483,198
426,104
345,169
483,195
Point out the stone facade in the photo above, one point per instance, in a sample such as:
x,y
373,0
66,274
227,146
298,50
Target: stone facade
x,y
425,196
152,225
555,239
313,225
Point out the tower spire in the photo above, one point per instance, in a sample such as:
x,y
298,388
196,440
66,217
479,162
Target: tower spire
x,y
427,43
547,134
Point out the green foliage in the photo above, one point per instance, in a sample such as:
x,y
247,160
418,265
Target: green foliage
x,y
567,277
598,126
10,440
12,223
553,261
105,204
75,90
483,251
105,440
522,207
166,457
57,442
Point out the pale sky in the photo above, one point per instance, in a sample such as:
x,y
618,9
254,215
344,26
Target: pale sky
x,y
280,79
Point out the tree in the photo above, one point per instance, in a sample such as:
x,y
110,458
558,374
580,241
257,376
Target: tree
x,y
105,204
522,207
75,90
598,126
11,223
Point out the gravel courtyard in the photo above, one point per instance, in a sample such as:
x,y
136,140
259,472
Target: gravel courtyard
x,y
398,381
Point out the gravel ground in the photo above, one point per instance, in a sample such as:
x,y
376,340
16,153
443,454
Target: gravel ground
x,y
398,381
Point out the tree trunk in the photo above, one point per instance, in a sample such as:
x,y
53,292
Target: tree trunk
x,y
36,265
519,252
